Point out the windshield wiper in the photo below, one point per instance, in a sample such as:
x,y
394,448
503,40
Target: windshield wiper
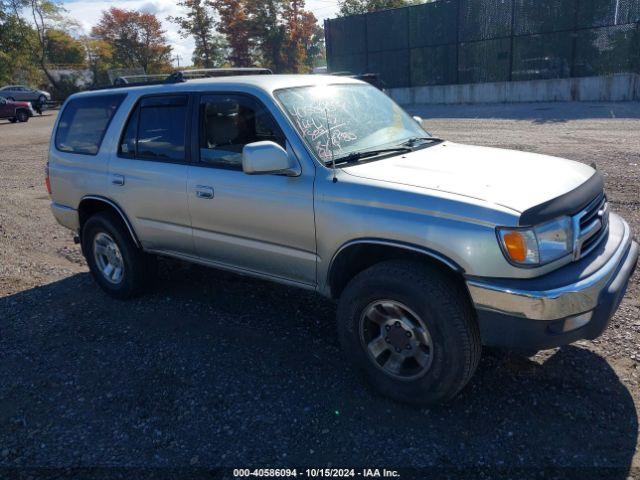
x,y
412,142
355,156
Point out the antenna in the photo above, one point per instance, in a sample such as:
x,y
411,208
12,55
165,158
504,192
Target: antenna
x,y
330,140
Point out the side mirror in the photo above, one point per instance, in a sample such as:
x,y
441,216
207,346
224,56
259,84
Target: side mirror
x,y
417,119
262,158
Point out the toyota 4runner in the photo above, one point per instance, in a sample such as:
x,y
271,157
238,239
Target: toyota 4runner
x,y
431,248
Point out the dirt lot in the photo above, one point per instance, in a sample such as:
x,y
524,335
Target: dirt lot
x,y
213,369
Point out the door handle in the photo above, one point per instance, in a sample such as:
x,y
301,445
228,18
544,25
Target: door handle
x,y
117,179
203,191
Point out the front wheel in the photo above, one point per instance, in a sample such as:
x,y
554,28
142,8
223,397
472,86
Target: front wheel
x,y
411,329
117,265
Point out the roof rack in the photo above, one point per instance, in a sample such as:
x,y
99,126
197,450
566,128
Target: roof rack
x,y
224,72
184,75
371,78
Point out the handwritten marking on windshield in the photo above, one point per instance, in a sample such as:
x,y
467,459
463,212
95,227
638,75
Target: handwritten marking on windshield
x,y
312,121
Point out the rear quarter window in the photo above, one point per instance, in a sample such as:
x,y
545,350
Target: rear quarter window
x,y
84,122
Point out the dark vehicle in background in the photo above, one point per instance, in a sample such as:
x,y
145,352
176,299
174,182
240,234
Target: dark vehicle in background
x,y
25,94
15,111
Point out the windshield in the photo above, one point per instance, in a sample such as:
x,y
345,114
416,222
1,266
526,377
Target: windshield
x,y
337,120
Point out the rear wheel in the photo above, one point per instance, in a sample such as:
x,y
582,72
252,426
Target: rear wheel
x,y
117,265
411,329
22,116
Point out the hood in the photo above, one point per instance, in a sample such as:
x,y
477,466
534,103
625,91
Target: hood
x,y
512,179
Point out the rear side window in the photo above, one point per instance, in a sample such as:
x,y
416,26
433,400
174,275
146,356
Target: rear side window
x,y
156,129
84,122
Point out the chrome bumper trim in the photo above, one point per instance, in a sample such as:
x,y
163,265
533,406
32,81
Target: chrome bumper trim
x,y
557,303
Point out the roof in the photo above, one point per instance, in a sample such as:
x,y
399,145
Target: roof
x,y
267,83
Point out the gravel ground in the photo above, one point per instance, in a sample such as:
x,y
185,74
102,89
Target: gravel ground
x,y
217,370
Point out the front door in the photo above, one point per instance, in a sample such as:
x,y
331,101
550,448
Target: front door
x,y
257,223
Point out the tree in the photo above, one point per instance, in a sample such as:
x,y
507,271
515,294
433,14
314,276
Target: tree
x,y
99,58
279,34
46,15
234,25
199,23
313,41
16,55
267,32
300,26
137,39
62,48
354,7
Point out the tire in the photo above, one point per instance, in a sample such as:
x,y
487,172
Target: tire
x,y
427,297
101,230
22,116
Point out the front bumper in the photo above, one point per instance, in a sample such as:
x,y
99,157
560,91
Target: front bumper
x,y
574,302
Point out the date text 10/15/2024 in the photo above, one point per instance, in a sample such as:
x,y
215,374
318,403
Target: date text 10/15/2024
x,y
316,473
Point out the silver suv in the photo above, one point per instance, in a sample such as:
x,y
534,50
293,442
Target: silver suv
x,y
431,249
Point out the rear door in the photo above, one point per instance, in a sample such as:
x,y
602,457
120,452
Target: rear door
x,y
148,175
80,151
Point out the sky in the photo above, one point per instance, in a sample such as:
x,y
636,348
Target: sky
x,y
87,13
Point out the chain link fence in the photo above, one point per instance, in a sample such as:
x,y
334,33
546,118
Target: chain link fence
x,y
472,41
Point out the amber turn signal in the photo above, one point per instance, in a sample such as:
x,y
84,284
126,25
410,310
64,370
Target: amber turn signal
x,y
516,246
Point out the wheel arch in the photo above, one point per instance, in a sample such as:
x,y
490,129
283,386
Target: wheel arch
x,y
357,255
92,204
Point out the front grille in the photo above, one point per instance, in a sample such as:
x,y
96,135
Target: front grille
x,y
591,226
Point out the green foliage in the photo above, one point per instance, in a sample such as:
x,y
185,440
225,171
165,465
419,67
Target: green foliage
x,y
199,23
279,34
16,57
135,39
62,48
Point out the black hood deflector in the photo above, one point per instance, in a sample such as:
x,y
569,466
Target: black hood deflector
x,y
568,204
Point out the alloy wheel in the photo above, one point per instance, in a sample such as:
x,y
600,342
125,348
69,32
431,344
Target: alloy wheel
x,y
396,339
108,258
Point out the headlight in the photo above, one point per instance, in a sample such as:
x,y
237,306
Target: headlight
x,y
537,245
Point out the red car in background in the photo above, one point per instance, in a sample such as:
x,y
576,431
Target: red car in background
x,y
15,111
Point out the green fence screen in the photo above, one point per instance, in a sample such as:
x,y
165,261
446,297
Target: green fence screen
x,y
470,41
